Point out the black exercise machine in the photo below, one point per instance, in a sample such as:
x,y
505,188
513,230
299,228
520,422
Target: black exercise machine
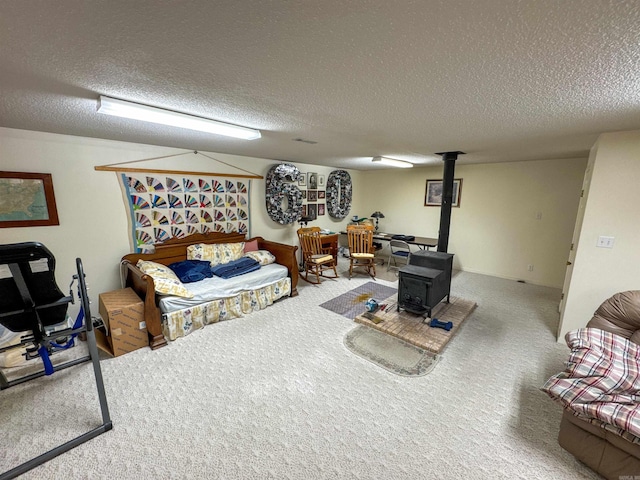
x,y
31,302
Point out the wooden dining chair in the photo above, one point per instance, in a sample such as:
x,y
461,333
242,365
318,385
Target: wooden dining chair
x,y
316,259
361,249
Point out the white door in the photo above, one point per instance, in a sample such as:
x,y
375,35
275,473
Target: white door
x,y
575,239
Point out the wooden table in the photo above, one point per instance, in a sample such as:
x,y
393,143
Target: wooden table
x,y
330,241
421,242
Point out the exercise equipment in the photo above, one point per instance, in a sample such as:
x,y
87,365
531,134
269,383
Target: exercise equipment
x,y
435,323
31,302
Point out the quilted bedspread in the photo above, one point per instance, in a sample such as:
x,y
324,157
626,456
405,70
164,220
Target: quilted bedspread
x,y
602,380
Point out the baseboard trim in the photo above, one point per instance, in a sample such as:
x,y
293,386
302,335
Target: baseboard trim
x,y
493,274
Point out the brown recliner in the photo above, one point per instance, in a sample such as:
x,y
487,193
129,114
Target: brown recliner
x,y
619,314
609,454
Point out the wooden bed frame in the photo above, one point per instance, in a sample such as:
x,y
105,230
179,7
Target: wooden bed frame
x,y
175,250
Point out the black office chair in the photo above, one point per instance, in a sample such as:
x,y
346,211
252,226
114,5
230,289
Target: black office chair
x,y
31,302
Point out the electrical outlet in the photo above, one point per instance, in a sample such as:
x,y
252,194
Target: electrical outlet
x,y
530,268
605,242
539,216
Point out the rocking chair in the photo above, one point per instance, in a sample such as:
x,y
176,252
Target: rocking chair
x,y
361,249
316,260
31,302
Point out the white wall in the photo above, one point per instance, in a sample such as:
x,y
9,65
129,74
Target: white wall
x,y
91,208
495,231
612,209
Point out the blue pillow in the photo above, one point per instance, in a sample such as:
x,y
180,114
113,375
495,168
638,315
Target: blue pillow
x,y
189,271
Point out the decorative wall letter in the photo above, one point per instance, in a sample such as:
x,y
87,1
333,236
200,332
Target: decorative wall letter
x,y
339,194
278,190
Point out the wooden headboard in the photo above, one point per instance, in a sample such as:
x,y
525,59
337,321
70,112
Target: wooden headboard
x,y
175,250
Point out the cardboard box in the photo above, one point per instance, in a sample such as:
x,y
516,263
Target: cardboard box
x,y
125,329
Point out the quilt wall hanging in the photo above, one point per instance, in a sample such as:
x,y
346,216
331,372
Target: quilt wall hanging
x,y
163,206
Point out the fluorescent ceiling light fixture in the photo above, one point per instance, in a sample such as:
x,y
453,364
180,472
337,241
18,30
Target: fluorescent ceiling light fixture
x,y
121,108
392,162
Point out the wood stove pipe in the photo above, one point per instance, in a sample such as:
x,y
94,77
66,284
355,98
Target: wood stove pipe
x,y
449,159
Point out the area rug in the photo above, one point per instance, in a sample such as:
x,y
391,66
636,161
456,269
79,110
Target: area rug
x,y
351,304
413,329
390,353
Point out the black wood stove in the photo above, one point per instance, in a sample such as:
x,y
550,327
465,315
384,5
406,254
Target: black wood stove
x,y
425,281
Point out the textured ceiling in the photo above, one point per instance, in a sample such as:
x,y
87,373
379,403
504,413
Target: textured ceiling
x,y
503,80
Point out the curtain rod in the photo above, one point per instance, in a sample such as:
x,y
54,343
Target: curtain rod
x,y
114,167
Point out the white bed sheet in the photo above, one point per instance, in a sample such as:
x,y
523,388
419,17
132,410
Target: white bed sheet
x,y
216,288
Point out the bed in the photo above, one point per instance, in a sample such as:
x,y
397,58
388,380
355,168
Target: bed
x,y
169,317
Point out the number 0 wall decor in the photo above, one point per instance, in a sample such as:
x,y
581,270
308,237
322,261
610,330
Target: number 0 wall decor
x,y
163,206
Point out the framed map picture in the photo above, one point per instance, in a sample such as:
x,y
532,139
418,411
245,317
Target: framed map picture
x,y
27,200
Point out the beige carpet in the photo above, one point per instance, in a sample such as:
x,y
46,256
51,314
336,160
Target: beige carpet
x,y
413,329
277,395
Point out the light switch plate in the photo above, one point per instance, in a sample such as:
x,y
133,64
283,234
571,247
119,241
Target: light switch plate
x,y
605,242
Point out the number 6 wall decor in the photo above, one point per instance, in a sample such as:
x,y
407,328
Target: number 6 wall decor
x,y
280,186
